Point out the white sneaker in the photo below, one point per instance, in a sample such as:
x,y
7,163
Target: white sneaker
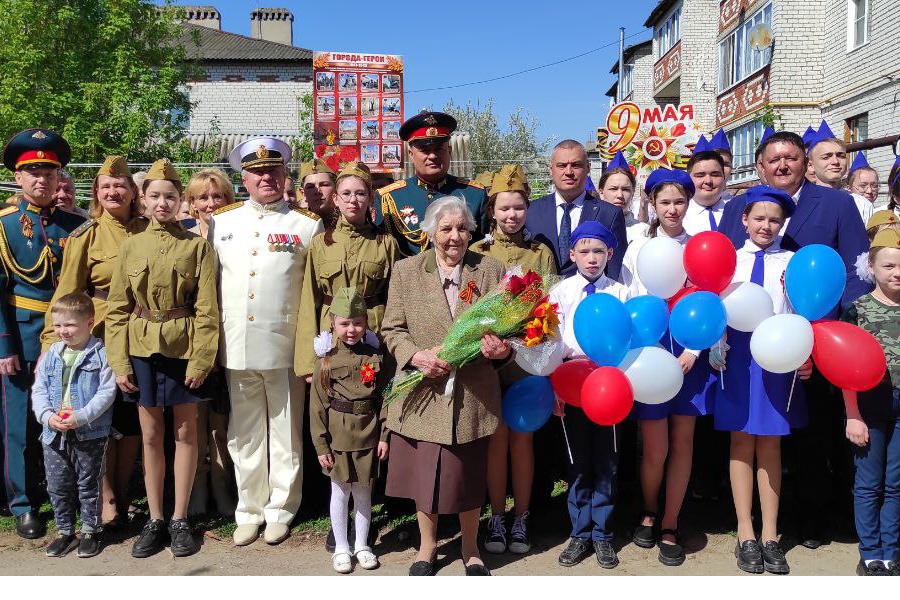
x,y
342,562
366,559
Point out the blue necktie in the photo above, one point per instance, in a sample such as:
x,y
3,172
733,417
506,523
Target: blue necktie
x,y
590,288
565,232
758,274
712,220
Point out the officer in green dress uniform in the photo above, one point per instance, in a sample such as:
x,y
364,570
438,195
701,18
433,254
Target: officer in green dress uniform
x,y
401,205
32,236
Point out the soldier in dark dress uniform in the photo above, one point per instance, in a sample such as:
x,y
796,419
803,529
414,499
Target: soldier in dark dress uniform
x,y
401,205
32,236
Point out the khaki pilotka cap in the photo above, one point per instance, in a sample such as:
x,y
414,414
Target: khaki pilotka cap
x,y
882,217
114,166
485,178
510,178
162,169
886,238
317,165
348,303
357,169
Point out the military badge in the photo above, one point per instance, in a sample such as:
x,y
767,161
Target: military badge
x,y
27,227
39,135
40,154
262,152
430,120
408,216
367,374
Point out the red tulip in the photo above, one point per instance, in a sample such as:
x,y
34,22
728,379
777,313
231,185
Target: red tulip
x,y
568,378
848,356
709,261
606,396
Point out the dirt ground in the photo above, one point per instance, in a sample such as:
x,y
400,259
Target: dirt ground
x,y
710,553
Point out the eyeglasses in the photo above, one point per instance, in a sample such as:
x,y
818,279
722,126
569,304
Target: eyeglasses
x,y
867,186
354,195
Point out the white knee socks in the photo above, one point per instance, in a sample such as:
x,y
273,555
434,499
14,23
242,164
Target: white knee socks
x,y
362,504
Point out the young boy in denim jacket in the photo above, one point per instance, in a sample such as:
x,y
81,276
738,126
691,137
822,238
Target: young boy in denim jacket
x,y
72,397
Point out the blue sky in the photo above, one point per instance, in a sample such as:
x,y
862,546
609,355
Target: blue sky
x,y
471,40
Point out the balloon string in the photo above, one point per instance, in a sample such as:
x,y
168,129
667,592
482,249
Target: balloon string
x,y
791,395
566,435
721,374
615,446
671,344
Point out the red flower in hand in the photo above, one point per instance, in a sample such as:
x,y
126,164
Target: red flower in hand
x,y
532,278
515,285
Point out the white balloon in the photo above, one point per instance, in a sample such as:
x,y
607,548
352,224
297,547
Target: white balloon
x,y
660,267
747,304
654,373
782,343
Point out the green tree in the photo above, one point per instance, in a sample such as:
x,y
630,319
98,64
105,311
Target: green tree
x,y
110,75
302,145
490,146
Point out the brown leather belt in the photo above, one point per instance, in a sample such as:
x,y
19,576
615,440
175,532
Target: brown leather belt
x,y
356,407
161,316
371,301
99,294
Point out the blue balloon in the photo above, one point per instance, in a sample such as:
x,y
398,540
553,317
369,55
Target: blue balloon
x,y
649,320
698,320
602,329
814,280
528,404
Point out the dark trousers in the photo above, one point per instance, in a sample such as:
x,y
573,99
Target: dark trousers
x,y
75,477
19,431
824,462
592,477
876,491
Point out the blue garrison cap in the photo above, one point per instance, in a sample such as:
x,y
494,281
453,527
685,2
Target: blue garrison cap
x,y
765,193
808,135
594,230
766,134
618,162
660,176
589,185
720,141
859,162
702,145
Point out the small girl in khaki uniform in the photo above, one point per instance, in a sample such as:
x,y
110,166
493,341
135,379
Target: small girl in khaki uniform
x,y
345,422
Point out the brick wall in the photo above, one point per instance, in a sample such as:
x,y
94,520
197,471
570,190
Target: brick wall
x,y
642,78
699,59
250,97
798,63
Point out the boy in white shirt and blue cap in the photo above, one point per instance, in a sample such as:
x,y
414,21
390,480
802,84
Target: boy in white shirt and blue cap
x,y
592,476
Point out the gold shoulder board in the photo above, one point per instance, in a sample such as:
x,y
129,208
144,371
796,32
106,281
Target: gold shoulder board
x,y
8,210
470,183
227,207
394,186
308,213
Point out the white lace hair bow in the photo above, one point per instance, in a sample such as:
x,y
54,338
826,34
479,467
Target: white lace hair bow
x,y
322,343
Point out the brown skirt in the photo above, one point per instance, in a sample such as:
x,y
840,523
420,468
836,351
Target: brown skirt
x,y
441,479
358,466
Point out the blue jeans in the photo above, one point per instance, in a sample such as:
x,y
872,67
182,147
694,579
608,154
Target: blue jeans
x,y
876,491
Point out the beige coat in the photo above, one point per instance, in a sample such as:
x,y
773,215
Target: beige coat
x,y
417,318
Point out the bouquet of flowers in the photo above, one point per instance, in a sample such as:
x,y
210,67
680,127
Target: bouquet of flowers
x,y
518,310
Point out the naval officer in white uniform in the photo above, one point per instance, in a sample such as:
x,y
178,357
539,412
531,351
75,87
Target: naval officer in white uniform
x,y
261,246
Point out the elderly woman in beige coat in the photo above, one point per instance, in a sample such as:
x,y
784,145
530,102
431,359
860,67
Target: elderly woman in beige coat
x,y
441,428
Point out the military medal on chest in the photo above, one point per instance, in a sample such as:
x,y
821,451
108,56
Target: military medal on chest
x,y
284,242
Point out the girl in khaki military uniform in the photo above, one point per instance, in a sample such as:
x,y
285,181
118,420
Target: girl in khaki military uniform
x,y
162,335
353,254
90,256
347,430
508,243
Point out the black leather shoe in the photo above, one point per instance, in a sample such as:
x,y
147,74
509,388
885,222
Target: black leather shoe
x,y
62,545
29,526
151,540
811,537
671,555
89,545
477,570
895,567
606,555
749,556
182,535
422,568
577,550
645,535
774,560
876,569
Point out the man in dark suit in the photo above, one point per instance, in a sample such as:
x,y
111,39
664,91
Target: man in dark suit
x,y
823,216
552,219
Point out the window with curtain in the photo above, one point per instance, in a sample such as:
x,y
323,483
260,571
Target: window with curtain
x,y
738,59
668,33
744,141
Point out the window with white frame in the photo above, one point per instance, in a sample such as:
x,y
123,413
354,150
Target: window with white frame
x,y
857,23
668,33
737,57
744,141
627,80
856,130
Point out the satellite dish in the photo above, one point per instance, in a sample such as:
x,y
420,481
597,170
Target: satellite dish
x,y
761,37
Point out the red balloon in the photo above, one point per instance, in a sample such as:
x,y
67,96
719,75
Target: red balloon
x,y
681,294
709,261
568,378
606,396
848,356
